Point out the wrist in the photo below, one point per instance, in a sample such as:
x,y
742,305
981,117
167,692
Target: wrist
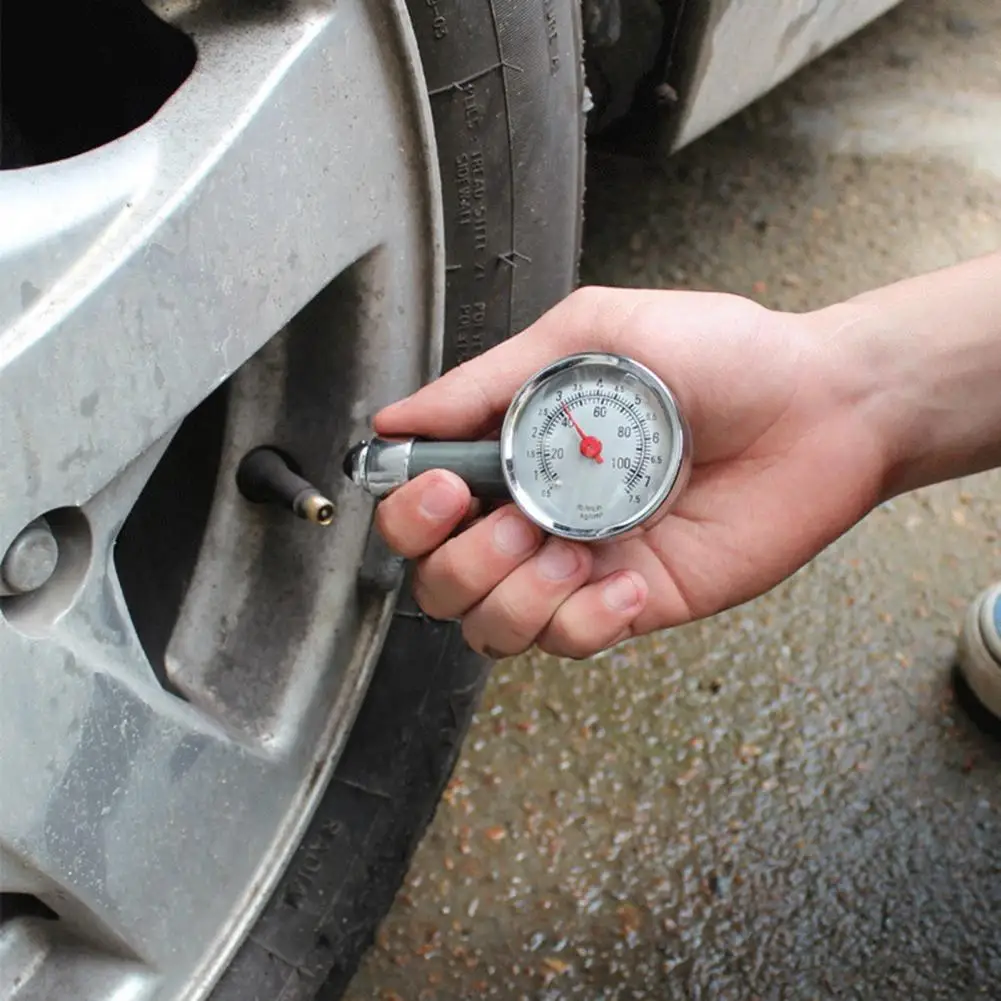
x,y
919,365
872,389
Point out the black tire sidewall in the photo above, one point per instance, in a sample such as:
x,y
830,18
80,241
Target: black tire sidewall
x,y
507,93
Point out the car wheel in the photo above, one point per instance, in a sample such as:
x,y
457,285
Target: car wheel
x,y
223,729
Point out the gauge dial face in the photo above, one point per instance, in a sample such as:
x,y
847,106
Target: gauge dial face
x,y
592,446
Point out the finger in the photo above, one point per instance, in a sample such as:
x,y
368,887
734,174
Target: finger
x,y
508,620
474,513
596,617
470,399
465,569
420,515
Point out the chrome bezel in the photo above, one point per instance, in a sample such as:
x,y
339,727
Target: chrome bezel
x,y
676,469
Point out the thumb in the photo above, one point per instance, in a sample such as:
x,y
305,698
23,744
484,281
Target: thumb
x,y
470,400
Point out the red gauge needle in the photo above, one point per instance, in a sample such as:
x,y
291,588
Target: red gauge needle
x,y
590,447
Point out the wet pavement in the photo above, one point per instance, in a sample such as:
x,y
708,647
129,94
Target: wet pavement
x,y
784,802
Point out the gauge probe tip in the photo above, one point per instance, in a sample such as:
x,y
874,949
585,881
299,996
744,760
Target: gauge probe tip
x,y
353,461
382,465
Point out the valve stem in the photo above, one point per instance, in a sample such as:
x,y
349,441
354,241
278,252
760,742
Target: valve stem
x,y
265,476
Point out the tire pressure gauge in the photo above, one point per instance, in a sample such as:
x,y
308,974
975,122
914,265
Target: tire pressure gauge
x,y
591,447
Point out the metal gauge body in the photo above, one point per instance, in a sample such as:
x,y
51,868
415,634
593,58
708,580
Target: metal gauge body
x,y
593,446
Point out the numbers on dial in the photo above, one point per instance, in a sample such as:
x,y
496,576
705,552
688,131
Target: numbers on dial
x,y
591,447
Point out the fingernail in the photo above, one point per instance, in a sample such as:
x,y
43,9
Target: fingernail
x,y
513,536
621,593
440,500
557,561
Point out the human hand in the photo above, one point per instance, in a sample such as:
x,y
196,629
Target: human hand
x,y
783,464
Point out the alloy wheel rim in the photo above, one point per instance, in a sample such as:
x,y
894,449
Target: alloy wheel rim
x,y
261,263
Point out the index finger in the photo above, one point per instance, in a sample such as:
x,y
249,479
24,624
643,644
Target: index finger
x,y
471,399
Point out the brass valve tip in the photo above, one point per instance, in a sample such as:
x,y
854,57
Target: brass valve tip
x,y
316,508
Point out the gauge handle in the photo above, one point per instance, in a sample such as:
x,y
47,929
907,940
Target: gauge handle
x,y
382,464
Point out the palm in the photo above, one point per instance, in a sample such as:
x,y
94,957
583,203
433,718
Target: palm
x,y
748,519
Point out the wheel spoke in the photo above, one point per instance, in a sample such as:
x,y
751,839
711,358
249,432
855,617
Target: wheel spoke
x,y
104,761
111,760
83,609
99,628
15,877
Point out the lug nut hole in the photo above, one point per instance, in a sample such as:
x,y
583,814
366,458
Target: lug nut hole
x,y
43,569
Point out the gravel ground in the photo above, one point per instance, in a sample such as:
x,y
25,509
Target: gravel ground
x,y
785,801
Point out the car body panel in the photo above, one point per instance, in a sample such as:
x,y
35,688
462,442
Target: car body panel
x,y
730,52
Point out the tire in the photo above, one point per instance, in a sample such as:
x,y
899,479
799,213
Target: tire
x,y
506,84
